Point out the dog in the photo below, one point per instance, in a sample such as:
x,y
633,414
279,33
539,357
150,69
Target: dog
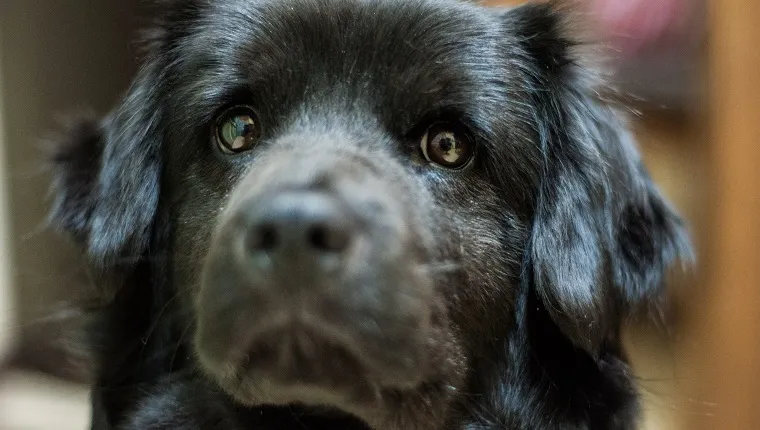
x,y
345,214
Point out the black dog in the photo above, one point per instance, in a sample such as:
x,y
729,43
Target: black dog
x,y
401,214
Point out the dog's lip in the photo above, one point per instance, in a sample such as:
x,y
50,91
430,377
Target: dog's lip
x,y
343,379
285,326
293,335
327,370
303,350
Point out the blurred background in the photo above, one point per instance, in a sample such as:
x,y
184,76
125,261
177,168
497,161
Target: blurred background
x,y
687,69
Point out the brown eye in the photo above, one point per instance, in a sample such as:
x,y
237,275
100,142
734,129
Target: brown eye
x,y
447,145
238,130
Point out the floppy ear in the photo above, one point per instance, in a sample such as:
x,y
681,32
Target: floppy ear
x,y
106,176
603,237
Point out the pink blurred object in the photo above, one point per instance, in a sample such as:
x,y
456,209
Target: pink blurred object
x,y
636,25
655,49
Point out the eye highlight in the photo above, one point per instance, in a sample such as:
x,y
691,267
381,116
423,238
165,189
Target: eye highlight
x,y
447,145
237,130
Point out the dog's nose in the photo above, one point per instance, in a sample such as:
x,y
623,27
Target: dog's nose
x,y
297,227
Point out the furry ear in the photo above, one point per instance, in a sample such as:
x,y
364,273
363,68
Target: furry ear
x,y
106,177
107,173
75,160
603,237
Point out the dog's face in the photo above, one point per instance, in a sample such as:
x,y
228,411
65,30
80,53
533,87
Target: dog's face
x,y
361,197
338,195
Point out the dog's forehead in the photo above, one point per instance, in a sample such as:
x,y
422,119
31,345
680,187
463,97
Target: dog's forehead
x,y
397,48
405,25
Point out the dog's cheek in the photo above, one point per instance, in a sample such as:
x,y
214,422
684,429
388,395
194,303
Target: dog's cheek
x,y
196,209
190,244
486,241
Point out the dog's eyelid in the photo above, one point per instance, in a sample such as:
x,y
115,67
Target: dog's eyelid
x,y
227,98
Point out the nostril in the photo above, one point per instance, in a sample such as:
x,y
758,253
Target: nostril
x,y
327,238
263,238
295,227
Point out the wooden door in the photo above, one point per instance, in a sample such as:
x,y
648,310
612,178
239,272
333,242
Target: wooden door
x,y
726,326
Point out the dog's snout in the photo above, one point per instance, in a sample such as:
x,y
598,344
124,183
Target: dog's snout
x,y
315,273
294,226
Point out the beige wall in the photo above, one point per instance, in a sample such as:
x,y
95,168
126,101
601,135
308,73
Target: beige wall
x,y
59,57
7,323
56,57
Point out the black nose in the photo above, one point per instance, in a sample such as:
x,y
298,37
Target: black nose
x,y
293,226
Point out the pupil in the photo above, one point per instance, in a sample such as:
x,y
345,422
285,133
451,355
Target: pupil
x,y
446,144
243,125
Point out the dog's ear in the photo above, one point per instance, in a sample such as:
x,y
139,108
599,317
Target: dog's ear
x,y
106,173
603,237
106,176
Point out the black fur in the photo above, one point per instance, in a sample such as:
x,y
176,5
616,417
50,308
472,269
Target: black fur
x,y
556,233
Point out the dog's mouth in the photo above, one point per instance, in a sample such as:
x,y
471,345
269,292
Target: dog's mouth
x,y
315,368
296,362
323,379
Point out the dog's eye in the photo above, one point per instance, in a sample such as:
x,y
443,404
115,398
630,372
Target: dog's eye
x,y
447,145
237,130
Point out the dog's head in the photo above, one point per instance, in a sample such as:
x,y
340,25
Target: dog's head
x,y
362,196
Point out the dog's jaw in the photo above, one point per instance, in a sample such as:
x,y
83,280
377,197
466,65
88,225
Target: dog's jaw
x,y
426,405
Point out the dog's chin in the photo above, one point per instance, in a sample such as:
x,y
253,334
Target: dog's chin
x,y
348,396
316,374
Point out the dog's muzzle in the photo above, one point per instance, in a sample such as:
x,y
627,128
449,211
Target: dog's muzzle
x,y
314,279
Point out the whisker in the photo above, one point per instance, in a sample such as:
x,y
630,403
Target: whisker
x,y
178,346
440,267
158,317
